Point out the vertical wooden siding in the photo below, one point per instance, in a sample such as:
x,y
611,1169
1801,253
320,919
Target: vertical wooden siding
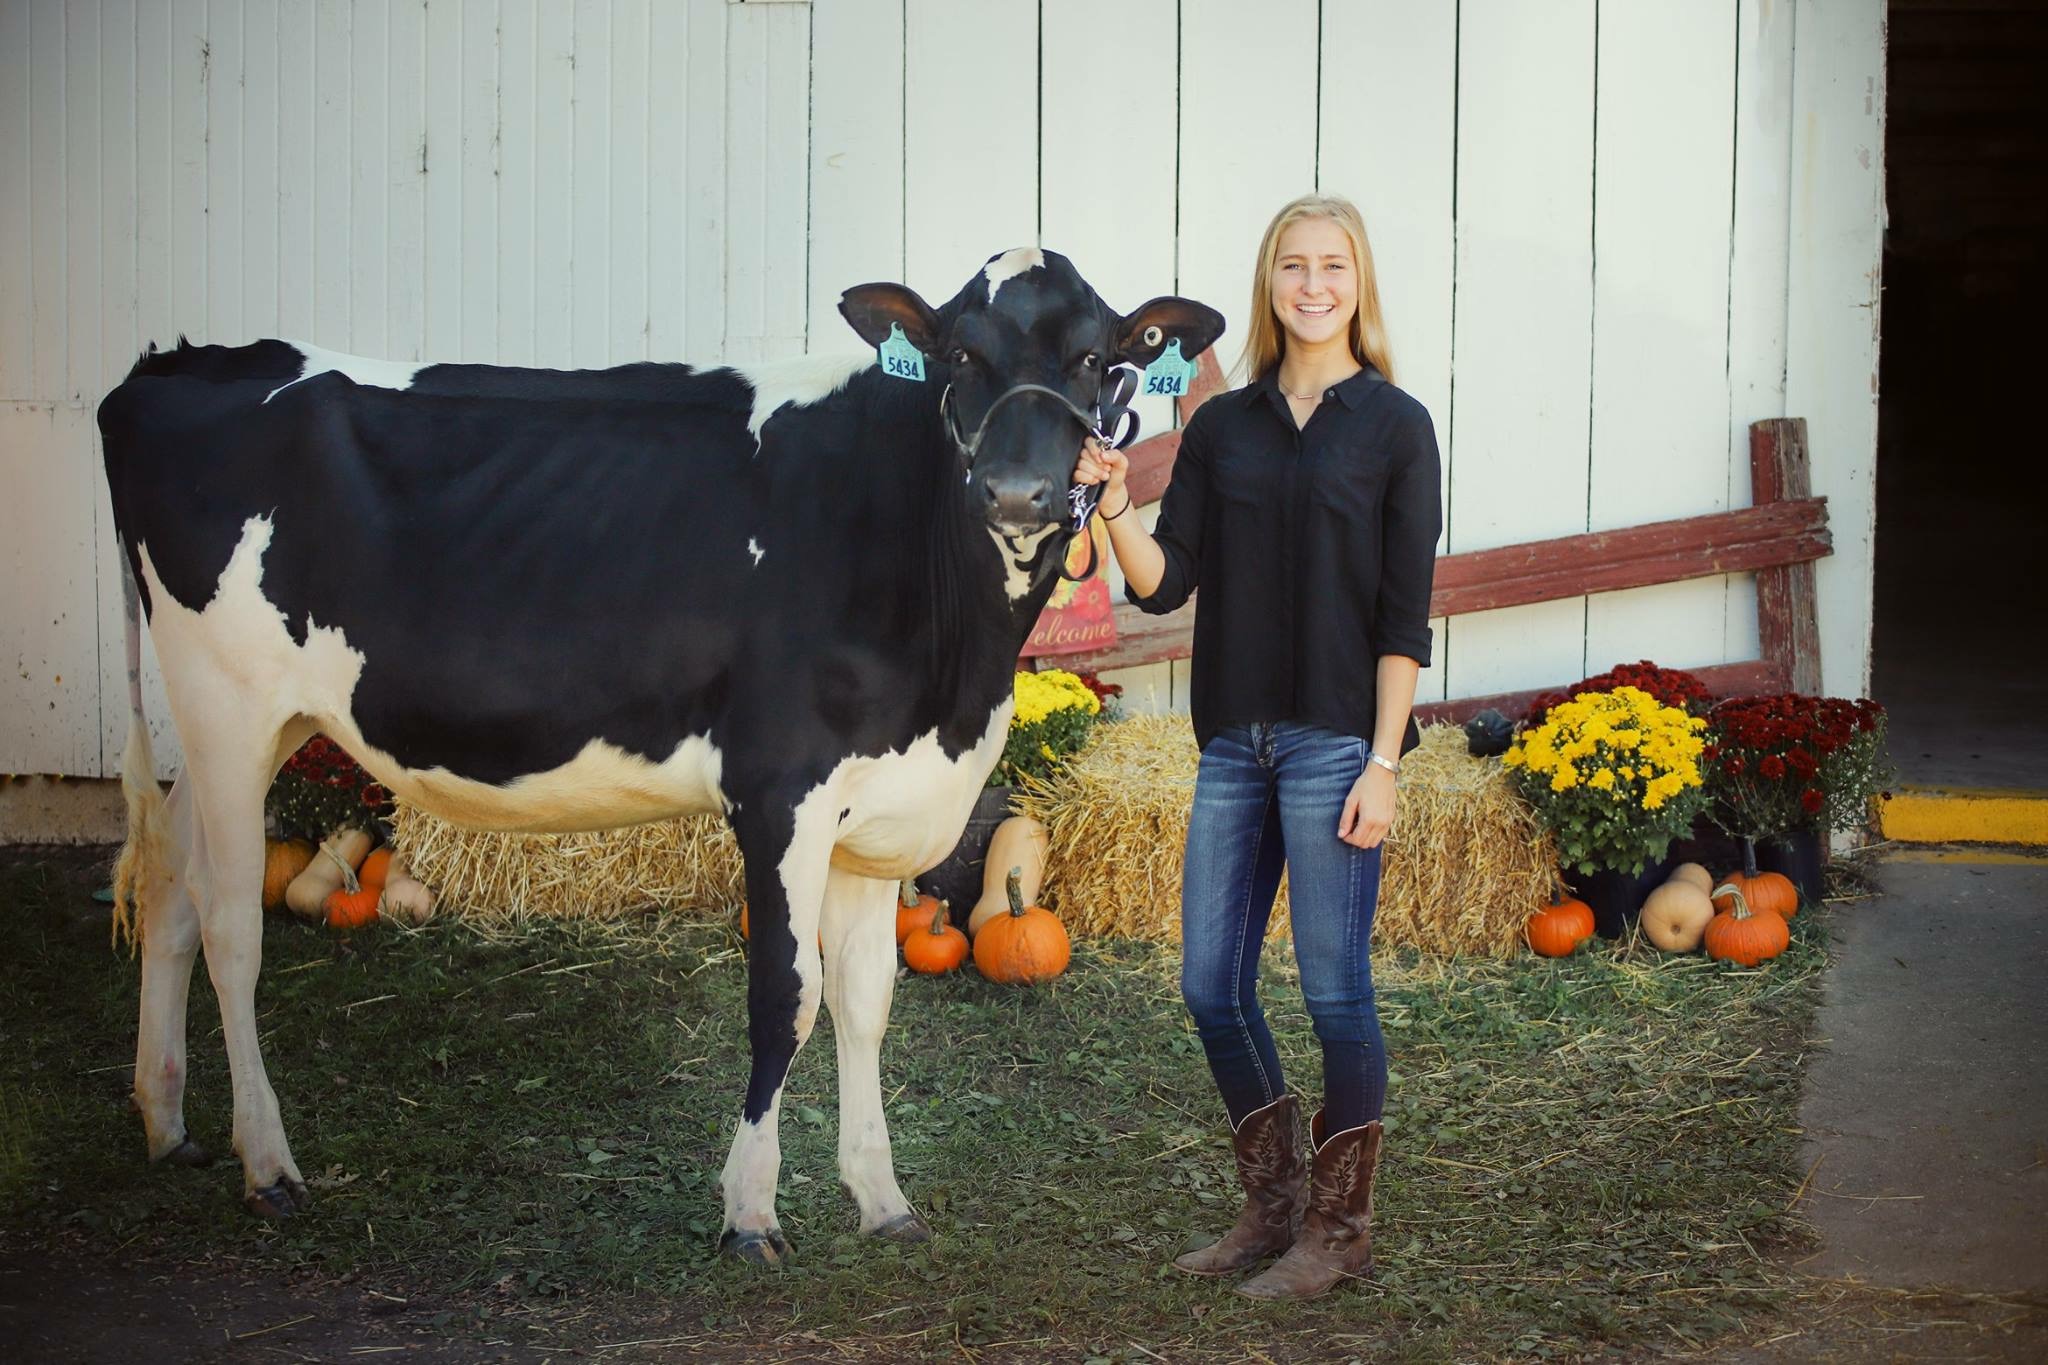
x,y
1580,210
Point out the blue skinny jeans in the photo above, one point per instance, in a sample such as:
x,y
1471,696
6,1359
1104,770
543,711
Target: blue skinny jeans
x,y
1268,794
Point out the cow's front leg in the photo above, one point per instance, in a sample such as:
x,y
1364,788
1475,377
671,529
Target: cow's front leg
x,y
860,979
785,890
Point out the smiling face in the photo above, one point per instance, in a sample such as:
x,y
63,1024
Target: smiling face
x,y
1315,284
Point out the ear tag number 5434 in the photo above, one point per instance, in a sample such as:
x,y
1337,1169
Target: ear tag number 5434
x,y
1168,374
899,358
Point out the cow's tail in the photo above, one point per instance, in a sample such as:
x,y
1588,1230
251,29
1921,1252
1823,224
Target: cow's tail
x,y
142,870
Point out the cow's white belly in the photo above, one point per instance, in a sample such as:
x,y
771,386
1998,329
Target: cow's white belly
x,y
234,664
603,787
905,810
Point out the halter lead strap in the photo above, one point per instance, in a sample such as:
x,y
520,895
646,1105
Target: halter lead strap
x,y
1112,423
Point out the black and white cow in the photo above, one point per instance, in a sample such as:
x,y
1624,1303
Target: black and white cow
x,y
545,600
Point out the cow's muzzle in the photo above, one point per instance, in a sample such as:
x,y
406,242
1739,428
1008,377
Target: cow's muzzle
x,y
1022,501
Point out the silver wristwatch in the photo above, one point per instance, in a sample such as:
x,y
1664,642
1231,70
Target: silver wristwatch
x,y
1392,765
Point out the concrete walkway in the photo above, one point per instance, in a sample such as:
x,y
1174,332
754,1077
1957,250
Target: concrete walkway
x,y
1926,1109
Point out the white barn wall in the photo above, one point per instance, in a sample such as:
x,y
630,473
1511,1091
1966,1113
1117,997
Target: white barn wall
x,y
1602,251
1833,305
1387,138
1522,342
1661,215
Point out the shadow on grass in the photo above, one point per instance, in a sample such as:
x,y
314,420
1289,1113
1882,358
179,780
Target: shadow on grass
x,y
1582,1154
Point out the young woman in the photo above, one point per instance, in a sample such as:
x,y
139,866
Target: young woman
x,y
1305,507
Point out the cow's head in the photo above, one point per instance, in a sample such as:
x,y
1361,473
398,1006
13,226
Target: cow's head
x,y
1026,324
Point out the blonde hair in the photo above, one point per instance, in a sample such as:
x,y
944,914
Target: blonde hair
x,y
1266,341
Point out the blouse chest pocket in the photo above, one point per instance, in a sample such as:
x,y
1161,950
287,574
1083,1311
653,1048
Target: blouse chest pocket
x,y
1350,484
1248,480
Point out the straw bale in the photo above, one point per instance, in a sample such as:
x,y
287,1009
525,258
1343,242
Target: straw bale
x,y
1465,861
1464,864
690,865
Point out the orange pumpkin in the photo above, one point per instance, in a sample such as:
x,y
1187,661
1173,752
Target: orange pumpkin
x,y
1745,935
1024,947
913,911
1560,927
353,909
283,861
376,869
935,948
1761,890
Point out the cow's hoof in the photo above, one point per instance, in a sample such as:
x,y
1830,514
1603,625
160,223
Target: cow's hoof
x,y
907,1228
187,1153
762,1248
275,1203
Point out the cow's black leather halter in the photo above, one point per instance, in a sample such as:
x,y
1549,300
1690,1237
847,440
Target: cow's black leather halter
x,y
1113,423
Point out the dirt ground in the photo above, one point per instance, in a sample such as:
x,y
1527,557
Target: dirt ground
x,y
66,1309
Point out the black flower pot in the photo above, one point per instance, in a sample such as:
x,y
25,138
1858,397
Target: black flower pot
x,y
1799,854
957,880
1614,897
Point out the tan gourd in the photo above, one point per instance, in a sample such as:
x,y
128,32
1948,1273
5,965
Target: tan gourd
x,y
406,899
1018,842
307,895
1676,914
1693,873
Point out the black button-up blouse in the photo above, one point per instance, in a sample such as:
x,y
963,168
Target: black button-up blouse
x,y
1314,549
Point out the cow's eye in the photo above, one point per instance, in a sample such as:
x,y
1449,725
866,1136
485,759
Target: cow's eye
x,y
1091,361
960,356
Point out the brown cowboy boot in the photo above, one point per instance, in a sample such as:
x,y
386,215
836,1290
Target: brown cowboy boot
x,y
1275,1179
1336,1232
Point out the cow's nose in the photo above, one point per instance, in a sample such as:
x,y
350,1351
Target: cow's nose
x,y
1021,500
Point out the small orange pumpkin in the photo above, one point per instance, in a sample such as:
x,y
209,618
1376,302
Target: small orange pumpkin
x,y
935,948
913,911
1560,927
1745,935
353,909
376,869
1761,890
1024,947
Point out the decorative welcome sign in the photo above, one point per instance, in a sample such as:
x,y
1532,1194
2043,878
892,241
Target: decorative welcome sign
x,y
1080,615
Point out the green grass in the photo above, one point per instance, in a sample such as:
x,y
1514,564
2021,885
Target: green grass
x,y
1590,1153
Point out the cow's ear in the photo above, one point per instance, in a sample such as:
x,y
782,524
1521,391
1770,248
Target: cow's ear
x,y
1142,335
871,308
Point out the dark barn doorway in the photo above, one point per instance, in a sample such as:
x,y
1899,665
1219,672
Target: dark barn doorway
x,y
1958,652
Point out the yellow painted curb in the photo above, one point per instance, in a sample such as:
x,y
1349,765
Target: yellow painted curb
x,y
1964,855
1964,815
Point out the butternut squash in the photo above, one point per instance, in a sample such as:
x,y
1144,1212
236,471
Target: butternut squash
x,y
1676,914
1694,873
406,899
334,865
1018,842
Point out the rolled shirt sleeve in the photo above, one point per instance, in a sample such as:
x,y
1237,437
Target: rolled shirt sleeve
x,y
1413,521
1182,514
